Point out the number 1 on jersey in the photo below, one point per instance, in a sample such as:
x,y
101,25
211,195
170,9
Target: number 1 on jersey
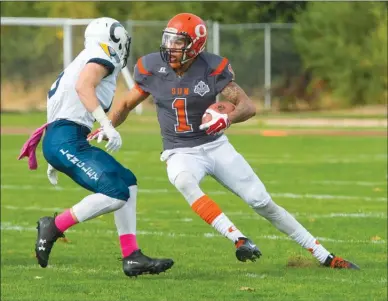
x,y
182,125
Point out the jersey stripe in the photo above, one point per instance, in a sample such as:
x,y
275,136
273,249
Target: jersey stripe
x,y
220,67
108,65
141,68
140,90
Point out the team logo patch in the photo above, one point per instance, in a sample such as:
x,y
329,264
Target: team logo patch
x,y
201,88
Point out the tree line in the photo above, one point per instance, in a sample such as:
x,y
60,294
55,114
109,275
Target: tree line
x,y
341,43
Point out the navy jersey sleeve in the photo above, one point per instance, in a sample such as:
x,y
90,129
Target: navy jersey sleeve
x,y
104,55
142,77
223,74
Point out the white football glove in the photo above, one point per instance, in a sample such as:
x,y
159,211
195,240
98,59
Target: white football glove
x,y
52,175
108,132
217,125
98,135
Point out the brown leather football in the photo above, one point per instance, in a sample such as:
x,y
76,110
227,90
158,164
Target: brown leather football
x,y
223,107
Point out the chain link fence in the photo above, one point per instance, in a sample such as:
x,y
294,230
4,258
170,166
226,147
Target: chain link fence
x,y
262,55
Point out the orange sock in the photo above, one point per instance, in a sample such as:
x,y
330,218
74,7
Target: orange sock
x,y
206,208
209,211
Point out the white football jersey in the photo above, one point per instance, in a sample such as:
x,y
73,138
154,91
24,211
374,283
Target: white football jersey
x,y
63,101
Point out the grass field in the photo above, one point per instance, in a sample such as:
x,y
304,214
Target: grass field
x,y
336,186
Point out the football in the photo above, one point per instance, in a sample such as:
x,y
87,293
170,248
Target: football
x,y
223,107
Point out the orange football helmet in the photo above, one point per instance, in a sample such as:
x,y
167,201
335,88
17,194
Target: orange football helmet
x,y
185,34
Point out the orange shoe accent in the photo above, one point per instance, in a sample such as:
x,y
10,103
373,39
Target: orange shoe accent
x,y
206,208
239,243
338,262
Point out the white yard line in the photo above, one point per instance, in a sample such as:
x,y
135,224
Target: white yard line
x,y
243,215
247,155
257,162
8,226
77,269
304,182
328,197
286,195
345,280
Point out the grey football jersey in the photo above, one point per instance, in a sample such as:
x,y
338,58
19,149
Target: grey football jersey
x,y
182,101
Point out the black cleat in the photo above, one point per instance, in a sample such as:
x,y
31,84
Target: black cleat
x,y
335,262
137,263
246,250
48,234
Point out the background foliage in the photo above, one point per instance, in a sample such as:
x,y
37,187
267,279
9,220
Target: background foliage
x,y
344,43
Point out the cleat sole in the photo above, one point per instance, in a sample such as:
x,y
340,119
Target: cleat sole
x,y
244,253
153,270
161,268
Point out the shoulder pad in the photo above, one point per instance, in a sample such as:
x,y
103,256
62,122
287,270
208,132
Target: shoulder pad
x,y
215,62
147,63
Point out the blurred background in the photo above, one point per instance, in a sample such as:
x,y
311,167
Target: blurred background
x,y
288,56
317,72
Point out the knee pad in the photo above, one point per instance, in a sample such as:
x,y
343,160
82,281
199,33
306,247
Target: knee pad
x,y
187,184
258,199
112,185
185,181
114,204
255,194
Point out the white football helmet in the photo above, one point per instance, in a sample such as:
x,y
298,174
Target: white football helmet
x,y
111,32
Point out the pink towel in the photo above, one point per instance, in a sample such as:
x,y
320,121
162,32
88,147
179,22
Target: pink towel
x,y
29,148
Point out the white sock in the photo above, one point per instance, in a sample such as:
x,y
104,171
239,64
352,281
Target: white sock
x,y
307,241
188,186
287,224
125,217
94,205
226,228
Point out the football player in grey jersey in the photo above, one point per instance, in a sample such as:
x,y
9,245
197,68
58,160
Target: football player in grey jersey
x,y
184,81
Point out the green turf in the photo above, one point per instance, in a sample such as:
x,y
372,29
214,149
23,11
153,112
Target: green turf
x,y
315,178
146,122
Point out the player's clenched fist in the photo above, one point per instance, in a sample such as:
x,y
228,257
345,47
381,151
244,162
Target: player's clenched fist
x,y
218,123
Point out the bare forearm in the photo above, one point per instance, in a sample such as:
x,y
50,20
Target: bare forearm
x,y
121,108
118,114
245,108
88,98
241,113
90,77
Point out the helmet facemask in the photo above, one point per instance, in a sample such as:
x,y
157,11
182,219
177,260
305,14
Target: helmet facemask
x,y
176,43
126,51
120,41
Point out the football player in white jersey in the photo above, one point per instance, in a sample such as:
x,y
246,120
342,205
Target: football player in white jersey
x,y
81,95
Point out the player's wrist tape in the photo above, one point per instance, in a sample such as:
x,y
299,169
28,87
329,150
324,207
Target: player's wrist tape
x,y
100,116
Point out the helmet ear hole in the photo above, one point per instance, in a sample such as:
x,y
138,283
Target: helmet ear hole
x,y
120,47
